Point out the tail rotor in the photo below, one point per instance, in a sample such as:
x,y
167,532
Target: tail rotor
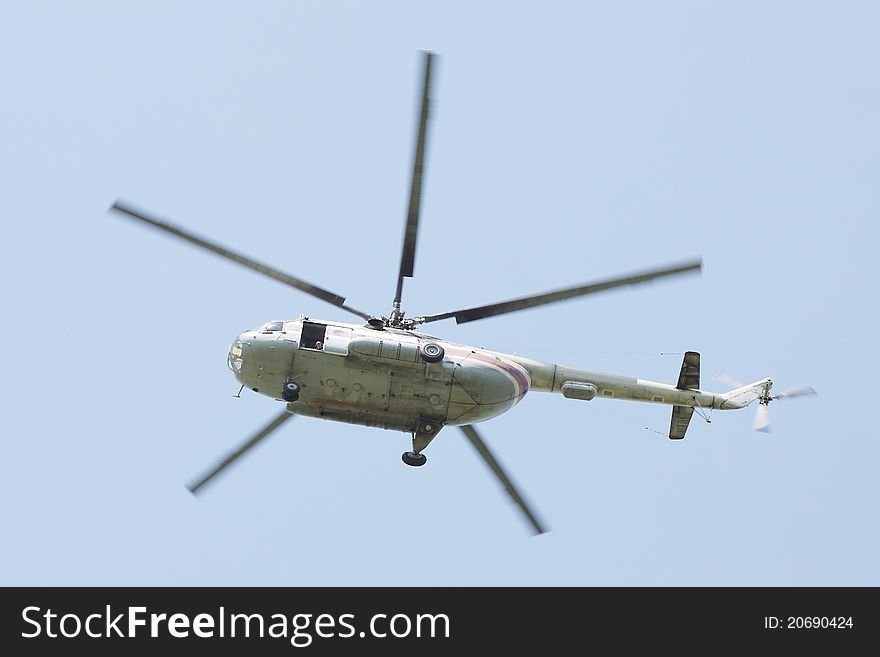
x,y
800,391
728,380
762,416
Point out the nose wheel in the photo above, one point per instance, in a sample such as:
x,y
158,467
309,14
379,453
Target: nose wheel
x,y
413,459
290,393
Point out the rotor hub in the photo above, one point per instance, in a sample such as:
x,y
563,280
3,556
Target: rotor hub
x,y
397,320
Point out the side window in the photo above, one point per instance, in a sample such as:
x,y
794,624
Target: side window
x,y
312,336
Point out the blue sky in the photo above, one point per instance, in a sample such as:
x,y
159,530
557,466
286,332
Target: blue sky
x,y
571,141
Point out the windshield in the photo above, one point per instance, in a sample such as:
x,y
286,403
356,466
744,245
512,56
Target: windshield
x,y
271,327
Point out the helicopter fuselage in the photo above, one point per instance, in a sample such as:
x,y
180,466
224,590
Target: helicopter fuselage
x,y
379,378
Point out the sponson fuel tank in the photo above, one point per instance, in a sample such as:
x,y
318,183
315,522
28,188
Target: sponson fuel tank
x,y
483,386
479,384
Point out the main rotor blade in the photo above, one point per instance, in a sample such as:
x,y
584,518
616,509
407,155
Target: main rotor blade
x,y
408,255
266,270
481,312
229,460
490,460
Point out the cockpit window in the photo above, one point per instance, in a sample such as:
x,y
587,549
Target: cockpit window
x,y
271,327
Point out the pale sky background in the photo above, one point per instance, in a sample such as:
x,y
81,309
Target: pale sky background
x,y
571,141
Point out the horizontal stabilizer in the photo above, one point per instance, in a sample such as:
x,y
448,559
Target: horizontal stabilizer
x,y
681,418
689,379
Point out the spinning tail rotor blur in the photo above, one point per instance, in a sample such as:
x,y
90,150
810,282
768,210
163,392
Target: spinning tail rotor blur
x,y
762,414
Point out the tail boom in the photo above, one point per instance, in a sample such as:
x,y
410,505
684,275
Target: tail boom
x,y
549,377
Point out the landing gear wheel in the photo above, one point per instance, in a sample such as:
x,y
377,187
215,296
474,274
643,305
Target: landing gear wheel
x,y
432,352
290,392
414,460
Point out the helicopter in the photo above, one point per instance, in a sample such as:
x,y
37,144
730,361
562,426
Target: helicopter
x,y
386,372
